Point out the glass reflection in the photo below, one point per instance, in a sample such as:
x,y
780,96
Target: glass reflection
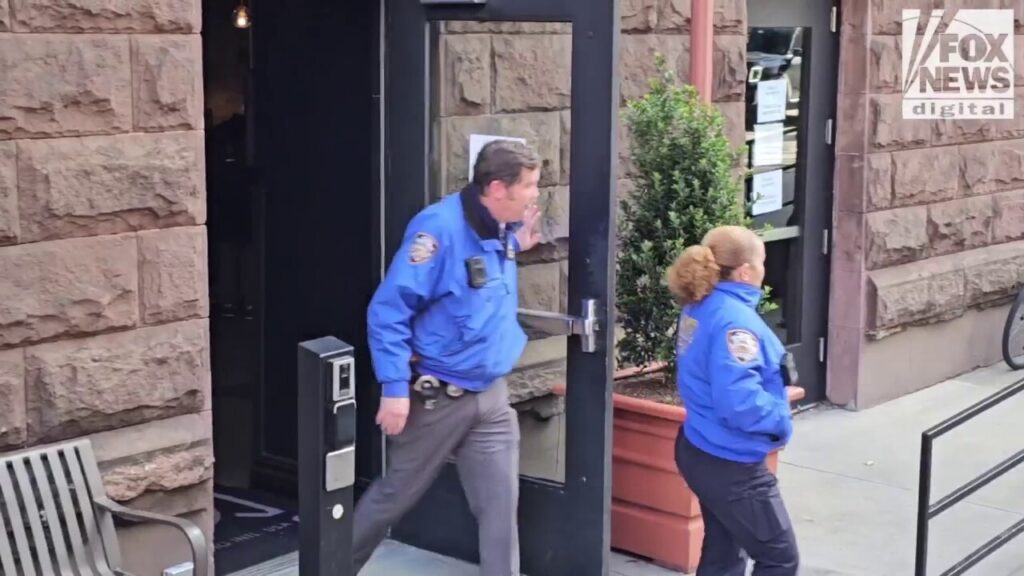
x,y
512,80
774,107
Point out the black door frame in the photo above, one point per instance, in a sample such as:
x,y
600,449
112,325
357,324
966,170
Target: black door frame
x,y
564,528
816,154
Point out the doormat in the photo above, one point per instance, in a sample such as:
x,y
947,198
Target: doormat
x,y
252,527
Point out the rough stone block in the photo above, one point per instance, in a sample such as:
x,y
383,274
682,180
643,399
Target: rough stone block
x,y
625,164
730,16
886,64
67,288
160,455
637,65
167,82
540,129
166,16
540,286
532,72
1008,212
554,203
734,114
110,184
730,68
896,236
1018,45
565,143
9,228
638,15
535,381
918,178
889,131
887,15
466,27
994,273
176,501
12,398
173,273
963,131
110,381
64,85
960,225
563,292
992,167
878,172
932,288
466,86
848,242
674,16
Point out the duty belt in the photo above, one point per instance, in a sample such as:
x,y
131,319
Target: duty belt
x,y
429,390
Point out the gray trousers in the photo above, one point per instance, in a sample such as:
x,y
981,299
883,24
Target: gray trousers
x,y
482,432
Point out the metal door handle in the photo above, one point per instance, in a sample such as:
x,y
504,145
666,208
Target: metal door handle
x,y
555,324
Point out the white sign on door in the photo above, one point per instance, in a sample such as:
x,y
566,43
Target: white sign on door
x,y
478,141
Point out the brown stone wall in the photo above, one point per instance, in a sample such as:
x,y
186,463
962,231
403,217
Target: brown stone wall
x,y
103,279
514,79
929,214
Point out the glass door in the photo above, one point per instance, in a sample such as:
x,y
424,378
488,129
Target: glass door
x,y
790,127
544,71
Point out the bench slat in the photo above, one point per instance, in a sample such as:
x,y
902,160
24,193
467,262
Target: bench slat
x,y
83,559
41,471
32,511
17,522
6,555
92,533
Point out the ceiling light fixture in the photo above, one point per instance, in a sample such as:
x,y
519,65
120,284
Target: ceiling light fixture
x,y
240,17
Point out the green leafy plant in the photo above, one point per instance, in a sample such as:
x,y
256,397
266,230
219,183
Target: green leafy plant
x,y
685,183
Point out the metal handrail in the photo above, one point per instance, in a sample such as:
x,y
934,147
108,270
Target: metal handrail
x,y
926,510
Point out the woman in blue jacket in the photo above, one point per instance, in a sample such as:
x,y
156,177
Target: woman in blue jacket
x,y
731,377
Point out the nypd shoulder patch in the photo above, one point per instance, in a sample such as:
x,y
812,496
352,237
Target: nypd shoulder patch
x,y
743,345
687,326
422,248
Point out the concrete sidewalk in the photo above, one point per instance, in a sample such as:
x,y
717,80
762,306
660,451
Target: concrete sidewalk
x,y
850,481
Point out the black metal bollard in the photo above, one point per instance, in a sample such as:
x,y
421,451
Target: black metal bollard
x,y
327,456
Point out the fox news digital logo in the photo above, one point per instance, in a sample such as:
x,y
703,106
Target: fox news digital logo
x,y
958,64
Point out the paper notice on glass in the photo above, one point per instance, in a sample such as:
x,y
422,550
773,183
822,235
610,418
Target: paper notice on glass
x,y
766,192
768,144
478,141
771,101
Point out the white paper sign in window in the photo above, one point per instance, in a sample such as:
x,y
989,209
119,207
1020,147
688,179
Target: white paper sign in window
x,y
478,141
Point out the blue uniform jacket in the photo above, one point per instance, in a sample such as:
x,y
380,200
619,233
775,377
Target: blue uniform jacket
x,y
729,375
426,305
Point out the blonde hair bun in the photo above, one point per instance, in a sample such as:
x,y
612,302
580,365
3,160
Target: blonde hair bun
x,y
693,275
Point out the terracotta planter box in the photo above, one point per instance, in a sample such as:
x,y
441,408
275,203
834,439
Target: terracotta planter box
x,y
654,513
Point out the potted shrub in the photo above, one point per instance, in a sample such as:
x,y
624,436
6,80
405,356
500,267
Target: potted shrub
x,y
686,181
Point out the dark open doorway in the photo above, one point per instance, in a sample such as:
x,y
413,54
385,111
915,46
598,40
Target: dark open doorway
x,y
293,210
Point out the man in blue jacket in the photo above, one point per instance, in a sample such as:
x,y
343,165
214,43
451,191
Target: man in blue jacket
x,y
732,372
444,333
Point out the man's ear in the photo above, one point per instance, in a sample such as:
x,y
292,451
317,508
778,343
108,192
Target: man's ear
x,y
497,188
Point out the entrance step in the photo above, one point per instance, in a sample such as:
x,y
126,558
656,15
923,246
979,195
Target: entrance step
x,y
397,559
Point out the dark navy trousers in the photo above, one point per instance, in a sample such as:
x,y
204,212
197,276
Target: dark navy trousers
x,y
744,515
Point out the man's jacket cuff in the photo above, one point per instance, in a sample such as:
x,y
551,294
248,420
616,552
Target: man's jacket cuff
x,y
399,389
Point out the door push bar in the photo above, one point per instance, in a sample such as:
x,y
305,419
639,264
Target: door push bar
x,y
555,324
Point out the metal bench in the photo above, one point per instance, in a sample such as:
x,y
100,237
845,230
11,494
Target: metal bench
x,y
56,518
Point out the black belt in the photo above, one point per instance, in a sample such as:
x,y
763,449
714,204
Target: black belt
x,y
429,388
